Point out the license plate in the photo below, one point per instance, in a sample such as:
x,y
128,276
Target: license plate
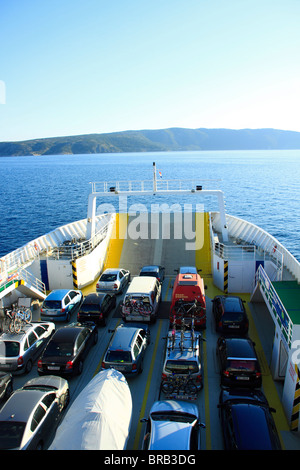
x,y
233,326
53,368
242,378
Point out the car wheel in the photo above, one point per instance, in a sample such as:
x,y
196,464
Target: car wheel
x,y
96,338
9,390
66,399
28,366
80,367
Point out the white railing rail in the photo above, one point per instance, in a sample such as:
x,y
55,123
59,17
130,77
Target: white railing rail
x,y
275,305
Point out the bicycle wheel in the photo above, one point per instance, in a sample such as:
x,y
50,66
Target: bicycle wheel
x,y
190,387
28,315
167,387
17,324
11,326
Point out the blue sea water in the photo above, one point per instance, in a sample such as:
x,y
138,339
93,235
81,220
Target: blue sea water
x,y
38,194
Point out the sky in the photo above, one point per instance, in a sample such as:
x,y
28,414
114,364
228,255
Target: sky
x,y
71,67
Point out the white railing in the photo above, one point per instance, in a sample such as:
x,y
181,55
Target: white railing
x,y
276,307
150,185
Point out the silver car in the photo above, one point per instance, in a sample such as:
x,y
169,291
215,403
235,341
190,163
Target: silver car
x,y
126,350
113,280
18,351
30,416
172,425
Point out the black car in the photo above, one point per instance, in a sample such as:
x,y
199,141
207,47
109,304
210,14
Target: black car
x,y
239,365
96,307
67,349
230,315
154,271
247,421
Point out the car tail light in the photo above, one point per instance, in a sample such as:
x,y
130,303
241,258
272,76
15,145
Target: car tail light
x,y
103,365
20,360
40,364
163,376
97,285
199,378
69,365
220,324
226,373
42,310
257,375
115,286
63,310
134,367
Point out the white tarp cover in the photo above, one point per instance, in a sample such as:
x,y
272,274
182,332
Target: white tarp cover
x,y
99,418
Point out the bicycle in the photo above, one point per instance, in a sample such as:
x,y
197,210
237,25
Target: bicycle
x,y
22,317
10,316
138,306
184,311
179,385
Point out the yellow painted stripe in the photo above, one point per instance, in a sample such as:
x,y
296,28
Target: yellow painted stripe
x,y
269,387
116,242
138,430
202,252
206,397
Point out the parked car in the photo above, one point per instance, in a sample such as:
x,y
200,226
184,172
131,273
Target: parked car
x,y
126,349
96,308
239,365
60,304
18,351
6,385
183,357
172,425
31,414
142,299
247,421
230,315
67,349
155,271
113,280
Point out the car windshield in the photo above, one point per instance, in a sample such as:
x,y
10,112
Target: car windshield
x,y
11,434
181,367
118,356
241,364
90,308
59,349
52,304
9,348
108,277
232,305
177,416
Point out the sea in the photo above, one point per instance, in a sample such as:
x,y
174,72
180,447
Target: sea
x,y
40,193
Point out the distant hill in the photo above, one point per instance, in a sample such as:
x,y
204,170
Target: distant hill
x,y
173,139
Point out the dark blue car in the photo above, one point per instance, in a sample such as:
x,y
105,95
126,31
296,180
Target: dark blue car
x,y
247,421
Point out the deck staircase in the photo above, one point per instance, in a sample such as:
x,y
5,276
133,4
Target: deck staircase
x,y
24,282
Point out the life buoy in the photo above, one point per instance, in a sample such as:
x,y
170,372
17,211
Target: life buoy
x,y
36,247
274,248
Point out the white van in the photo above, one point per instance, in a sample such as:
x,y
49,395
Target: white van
x,y
142,299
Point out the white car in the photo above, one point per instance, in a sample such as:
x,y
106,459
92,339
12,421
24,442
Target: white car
x,y
113,280
173,425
